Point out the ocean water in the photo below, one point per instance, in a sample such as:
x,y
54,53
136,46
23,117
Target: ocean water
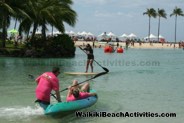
x,y
140,80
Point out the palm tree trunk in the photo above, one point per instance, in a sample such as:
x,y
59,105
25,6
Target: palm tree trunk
x,y
149,29
4,30
52,30
175,28
33,33
158,28
43,32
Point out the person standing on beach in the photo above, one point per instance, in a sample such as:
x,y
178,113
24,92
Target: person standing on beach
x,y
90,57
47,82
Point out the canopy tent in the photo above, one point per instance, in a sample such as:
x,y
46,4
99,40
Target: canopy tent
x,y
124,36
78,33
56,33
72,33
110,34
89,34
161,39
132,36
152,38
66,32
160,36
38,32
84,33
103,36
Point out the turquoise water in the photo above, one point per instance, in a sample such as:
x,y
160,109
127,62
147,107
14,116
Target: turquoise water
x,y
140,80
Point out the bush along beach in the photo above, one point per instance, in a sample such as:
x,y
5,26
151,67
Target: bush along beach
x,y
56,46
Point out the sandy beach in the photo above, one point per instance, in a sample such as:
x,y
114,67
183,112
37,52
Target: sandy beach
x,y
136,45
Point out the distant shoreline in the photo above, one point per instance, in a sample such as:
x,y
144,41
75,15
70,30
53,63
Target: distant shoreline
x,y
136,45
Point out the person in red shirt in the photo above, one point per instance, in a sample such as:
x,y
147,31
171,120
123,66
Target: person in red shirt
x,y
76,92
47,82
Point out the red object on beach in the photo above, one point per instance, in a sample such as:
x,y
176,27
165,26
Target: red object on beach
x,y
108,49
120,50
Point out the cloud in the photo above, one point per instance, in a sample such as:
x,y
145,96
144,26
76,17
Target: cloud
x,y
92,1
112,14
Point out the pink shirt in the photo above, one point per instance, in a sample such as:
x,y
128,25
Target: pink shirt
x,y
46,83
82,95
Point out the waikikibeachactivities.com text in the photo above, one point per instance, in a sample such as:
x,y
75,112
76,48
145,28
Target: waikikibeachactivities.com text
x,y
115,62
123,114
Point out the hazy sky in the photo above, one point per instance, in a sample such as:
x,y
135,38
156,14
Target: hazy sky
x,y
126,16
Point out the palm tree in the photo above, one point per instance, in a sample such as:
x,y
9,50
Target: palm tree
x,y
62,12
50,12
160,13
10,9
176,12
151,13
5,10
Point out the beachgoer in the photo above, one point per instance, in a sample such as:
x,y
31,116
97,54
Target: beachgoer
x,y
76,92
47,82
90,57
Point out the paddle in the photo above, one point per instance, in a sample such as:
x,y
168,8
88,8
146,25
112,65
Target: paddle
x,y
97,75
106,70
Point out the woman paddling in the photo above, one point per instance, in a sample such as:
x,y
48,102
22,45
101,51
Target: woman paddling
x,y
90,57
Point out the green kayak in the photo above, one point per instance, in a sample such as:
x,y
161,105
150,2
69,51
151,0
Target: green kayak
x,y
63,108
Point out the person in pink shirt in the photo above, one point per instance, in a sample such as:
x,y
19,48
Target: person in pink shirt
x,y
47,82
76,92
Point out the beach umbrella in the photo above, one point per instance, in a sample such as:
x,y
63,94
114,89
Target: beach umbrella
x,y
13,31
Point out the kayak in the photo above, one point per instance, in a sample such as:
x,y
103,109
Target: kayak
x,y
63,108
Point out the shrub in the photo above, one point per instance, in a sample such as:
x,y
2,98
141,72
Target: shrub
x,y
60,46
57,46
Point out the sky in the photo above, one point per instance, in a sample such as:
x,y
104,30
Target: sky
x,y
126,16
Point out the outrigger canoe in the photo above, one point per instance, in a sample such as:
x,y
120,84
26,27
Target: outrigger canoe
x,y
64,108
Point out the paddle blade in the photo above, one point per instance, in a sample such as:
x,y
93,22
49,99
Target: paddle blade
x,y
106,70
100,74
31,76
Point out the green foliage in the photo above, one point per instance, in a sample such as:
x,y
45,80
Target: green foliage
x,y
12,52
57,46
60,46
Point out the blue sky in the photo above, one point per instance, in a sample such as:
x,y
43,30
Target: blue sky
x,y
126,16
